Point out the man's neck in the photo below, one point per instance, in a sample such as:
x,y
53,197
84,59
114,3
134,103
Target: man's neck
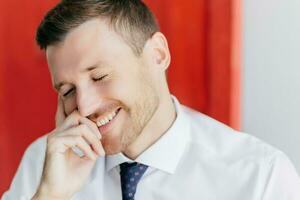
x,y
162,120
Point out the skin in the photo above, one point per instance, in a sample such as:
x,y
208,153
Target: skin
x,y
136,84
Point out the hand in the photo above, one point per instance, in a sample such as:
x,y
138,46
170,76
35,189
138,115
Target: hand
x,y
64,171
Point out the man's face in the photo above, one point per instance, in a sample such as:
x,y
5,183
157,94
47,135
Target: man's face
x,y
98,74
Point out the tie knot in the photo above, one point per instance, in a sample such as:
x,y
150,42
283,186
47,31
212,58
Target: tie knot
x,y
127,167
131,174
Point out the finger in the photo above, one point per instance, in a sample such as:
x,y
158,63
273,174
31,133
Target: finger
x,y
70,121
92,139
78,152
60,112
63,143
85,147
91,125
72,141
75,119
97,146
84,131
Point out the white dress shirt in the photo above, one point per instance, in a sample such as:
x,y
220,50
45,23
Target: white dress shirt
x,y
198,158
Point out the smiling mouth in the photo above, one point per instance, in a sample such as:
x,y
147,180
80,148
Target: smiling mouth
x,y
108,118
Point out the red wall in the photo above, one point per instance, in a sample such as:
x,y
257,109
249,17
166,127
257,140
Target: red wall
x,y
204,74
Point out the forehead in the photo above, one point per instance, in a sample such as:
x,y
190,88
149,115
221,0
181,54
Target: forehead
x,y
86,45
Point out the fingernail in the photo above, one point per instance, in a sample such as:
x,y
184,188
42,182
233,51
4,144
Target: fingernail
x,y
99,135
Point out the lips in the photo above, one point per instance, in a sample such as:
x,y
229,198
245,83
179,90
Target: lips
x,y
108,125
106,118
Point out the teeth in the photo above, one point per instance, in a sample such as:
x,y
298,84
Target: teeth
x,y
106,119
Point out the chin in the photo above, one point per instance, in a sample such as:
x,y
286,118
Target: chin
x,y
117,143
114,142
111,145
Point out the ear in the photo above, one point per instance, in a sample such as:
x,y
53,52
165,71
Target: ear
x,y
157,51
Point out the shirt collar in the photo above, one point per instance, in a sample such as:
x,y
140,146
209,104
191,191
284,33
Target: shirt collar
x,y
166,152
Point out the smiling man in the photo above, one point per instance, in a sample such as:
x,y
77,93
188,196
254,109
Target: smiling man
x,y
119,132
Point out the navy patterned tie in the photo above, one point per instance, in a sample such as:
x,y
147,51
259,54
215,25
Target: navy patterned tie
x,y
131,174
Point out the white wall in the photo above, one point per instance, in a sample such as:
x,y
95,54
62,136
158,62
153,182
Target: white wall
x,y
271,73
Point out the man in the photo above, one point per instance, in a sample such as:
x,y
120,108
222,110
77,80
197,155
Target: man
x,y
121,135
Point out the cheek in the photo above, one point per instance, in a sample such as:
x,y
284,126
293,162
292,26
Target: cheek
x,y
70,105
126,87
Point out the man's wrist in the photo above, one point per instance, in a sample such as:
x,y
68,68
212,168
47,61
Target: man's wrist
x,y
44,194
46,197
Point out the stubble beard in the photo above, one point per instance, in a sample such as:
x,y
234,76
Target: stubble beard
x,y
139,115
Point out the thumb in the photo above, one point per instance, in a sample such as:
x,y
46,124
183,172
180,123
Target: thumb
x,y
60,112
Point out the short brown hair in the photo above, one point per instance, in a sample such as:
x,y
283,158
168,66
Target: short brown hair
x,y
132,19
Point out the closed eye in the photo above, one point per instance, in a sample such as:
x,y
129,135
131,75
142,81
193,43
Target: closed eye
x,y
101,78
94,79
67,93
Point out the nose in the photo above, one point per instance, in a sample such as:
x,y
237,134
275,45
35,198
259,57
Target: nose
x,y
88,101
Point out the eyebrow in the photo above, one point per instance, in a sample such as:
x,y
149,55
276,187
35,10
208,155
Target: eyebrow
x,y
57,86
